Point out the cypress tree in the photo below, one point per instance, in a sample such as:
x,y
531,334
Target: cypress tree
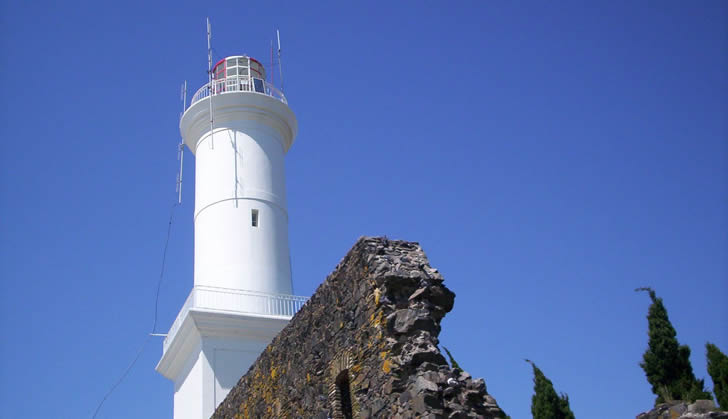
x,y
545,403
718,370
667,363
453,363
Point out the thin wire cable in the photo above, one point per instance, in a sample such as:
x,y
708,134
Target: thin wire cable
x,y
164,262
154,325
136,358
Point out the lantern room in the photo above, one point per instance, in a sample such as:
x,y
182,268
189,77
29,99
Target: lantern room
x,y
238,73
242,66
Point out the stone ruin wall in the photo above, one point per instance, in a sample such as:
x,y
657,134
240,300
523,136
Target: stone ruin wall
x,y
365,345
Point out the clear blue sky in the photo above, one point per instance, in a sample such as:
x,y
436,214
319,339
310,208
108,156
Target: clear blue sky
x,y
550,157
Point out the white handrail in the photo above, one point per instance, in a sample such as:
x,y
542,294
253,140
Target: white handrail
x,y
232,84
236,301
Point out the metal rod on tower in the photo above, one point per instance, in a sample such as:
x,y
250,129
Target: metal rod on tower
x,y
184,96
209,77
271,63
181,158
280,66
181,146
235,156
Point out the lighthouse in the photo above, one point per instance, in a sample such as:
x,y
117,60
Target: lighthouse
x,y
239,127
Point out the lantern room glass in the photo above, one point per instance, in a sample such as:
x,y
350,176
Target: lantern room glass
x,y
241,66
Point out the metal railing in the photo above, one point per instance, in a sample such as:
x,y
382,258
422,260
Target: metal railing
x,y
236,301
232,84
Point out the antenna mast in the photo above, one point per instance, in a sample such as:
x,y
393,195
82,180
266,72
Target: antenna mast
x,y
181,146
180,157
209,77
280,66
184,97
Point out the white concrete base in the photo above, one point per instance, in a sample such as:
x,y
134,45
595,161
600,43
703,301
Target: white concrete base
x,y
209,354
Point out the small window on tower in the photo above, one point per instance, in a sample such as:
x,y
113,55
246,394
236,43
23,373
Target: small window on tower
x,y
254,218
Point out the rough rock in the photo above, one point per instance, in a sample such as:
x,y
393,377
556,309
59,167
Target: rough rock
x,y
700,409
365,345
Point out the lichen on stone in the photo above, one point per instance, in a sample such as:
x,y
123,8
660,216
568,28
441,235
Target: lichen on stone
x,y
388,349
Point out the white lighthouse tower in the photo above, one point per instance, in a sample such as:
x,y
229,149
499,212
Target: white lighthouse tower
x,y
239,127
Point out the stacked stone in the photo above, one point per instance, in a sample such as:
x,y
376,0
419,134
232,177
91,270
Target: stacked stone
x,y
365,345
700,409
